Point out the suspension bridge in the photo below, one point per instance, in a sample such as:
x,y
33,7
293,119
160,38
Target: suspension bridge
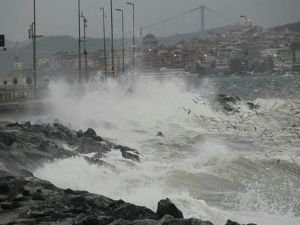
x,y
187,22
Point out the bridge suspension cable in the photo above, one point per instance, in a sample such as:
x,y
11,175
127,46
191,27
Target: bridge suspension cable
x,y
202,8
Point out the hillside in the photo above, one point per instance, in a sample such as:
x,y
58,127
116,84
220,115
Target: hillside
x,y
294,27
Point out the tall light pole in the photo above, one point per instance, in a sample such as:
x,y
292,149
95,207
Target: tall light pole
x,y
133,34
34,36
34,48
79,43
123,44
104,41
112,38
84,46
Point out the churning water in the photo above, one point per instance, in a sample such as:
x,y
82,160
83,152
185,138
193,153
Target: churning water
x,y
214,165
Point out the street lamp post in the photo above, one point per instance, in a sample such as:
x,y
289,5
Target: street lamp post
x,y
133,34
79,43
123,44
34,47
84,46
112,38
104,41
34,36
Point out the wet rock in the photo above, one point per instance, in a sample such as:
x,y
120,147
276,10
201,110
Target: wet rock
x,y
7,139
92,134
131,212
131,156
88,145
9,205
253,106
186,222
228,102
13,125
166,207
79,134
121,222
226,99
229,222
128,153
136,222
160,134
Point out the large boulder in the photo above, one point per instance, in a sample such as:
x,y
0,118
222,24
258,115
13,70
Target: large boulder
x,y
128,153
88,145
132,212
186,222
229,222
228,103
92,134
166,207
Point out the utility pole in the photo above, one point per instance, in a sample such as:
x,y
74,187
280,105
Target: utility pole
x,y
104,42
112,38
79,43
123,43
133,33
84,46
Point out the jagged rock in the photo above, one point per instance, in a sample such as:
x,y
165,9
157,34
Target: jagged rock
x,y
166,218
253,106
92,134
131,212
229,222
7,139
128,153
186,222
160,134
166,207
89,145
13,125
136,222
228,102
27,146
131,156
226,98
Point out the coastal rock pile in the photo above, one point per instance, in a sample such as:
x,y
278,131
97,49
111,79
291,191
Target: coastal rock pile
x,y
24,147
26,200
230,104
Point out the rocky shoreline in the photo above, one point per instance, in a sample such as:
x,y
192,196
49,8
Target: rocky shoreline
x,y
25,199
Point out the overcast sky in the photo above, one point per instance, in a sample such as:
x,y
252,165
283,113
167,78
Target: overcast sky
x,y
59,17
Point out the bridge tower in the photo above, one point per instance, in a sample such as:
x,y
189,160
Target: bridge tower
x,y
202,32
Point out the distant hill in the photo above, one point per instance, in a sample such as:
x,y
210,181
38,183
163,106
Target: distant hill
x,y
294,27
52,44
174,39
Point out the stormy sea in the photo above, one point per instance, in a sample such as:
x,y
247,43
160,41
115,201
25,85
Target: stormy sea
x,y
219,147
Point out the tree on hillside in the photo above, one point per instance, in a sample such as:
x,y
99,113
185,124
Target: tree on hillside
x,y
29,81
15,81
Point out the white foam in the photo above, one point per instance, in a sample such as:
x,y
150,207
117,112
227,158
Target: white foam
x,y
131,112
